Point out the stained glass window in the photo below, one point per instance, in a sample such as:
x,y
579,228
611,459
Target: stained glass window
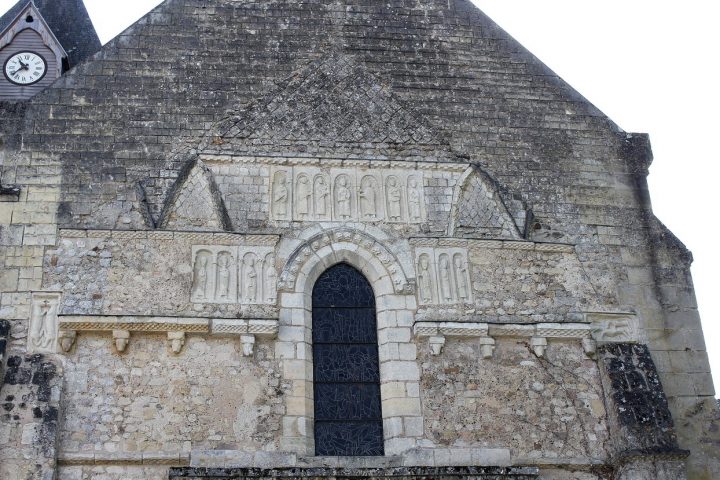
x,y
348,418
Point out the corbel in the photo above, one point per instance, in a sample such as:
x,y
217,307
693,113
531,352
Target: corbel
x,y
539,345
66,339
248,344
590,347
487,346
121,338
436,344
176,340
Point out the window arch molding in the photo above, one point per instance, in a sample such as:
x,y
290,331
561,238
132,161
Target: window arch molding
x,y
395,309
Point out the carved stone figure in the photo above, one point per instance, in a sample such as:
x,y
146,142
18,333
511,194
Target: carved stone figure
x,y
270,280
394,197
461,278
200,280
445,282
368,203
322,194
342,195
222,289
414,208
304,197
250,280
42,330
425,280
280,195
613,330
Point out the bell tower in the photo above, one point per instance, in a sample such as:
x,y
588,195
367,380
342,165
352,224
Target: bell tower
x,y
39,41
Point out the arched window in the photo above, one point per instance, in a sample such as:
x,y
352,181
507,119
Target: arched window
x,y
348,417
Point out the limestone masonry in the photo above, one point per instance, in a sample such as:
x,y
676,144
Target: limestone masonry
x,y
331,239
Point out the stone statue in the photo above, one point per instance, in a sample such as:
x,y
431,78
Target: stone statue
x,y
445,282
461,278
368,204
200,282
343,198
42,332
304,197
222,289
322,192
414,208
280,195
394,195
425,280
250,280
270,280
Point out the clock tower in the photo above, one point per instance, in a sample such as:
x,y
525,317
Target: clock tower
x,y
39,41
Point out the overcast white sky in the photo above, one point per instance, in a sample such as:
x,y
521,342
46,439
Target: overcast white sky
x,y
651,65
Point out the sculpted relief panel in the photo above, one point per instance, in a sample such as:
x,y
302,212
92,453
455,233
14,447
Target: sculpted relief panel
x,y
347,194
232,274
443,276
43,329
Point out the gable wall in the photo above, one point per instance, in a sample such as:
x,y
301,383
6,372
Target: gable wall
x,y
141,108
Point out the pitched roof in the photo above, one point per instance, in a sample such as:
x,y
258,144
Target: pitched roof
x,y
68,20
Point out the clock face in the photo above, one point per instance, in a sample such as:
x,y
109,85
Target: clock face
x,y
25,68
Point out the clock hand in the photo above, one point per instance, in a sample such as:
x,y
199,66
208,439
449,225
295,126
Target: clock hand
x,y
24,67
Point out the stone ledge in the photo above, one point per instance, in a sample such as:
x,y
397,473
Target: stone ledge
x,y
405,473
175,327
124,458
131,323
538,334
492,243
410,163
216,238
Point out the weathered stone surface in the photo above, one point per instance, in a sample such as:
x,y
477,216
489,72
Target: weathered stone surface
x,y
640,408
549,407
150,400
30,410
169,179
405,473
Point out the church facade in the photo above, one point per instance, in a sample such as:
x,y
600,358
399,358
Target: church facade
x,y
331,239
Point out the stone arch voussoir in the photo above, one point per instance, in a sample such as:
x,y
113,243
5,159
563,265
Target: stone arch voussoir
x,y
359,249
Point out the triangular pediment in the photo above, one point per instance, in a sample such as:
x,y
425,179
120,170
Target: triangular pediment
x,y
332,108
195,203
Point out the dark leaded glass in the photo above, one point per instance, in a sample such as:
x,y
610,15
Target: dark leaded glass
x,y
343,286
348,418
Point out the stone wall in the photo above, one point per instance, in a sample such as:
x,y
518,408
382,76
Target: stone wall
x,y
31,402
530,206
547,407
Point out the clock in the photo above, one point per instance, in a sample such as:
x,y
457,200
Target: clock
x,y
25,68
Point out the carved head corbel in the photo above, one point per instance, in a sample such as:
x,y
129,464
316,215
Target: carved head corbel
x,y
248,345
177,341
66,339
121,339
